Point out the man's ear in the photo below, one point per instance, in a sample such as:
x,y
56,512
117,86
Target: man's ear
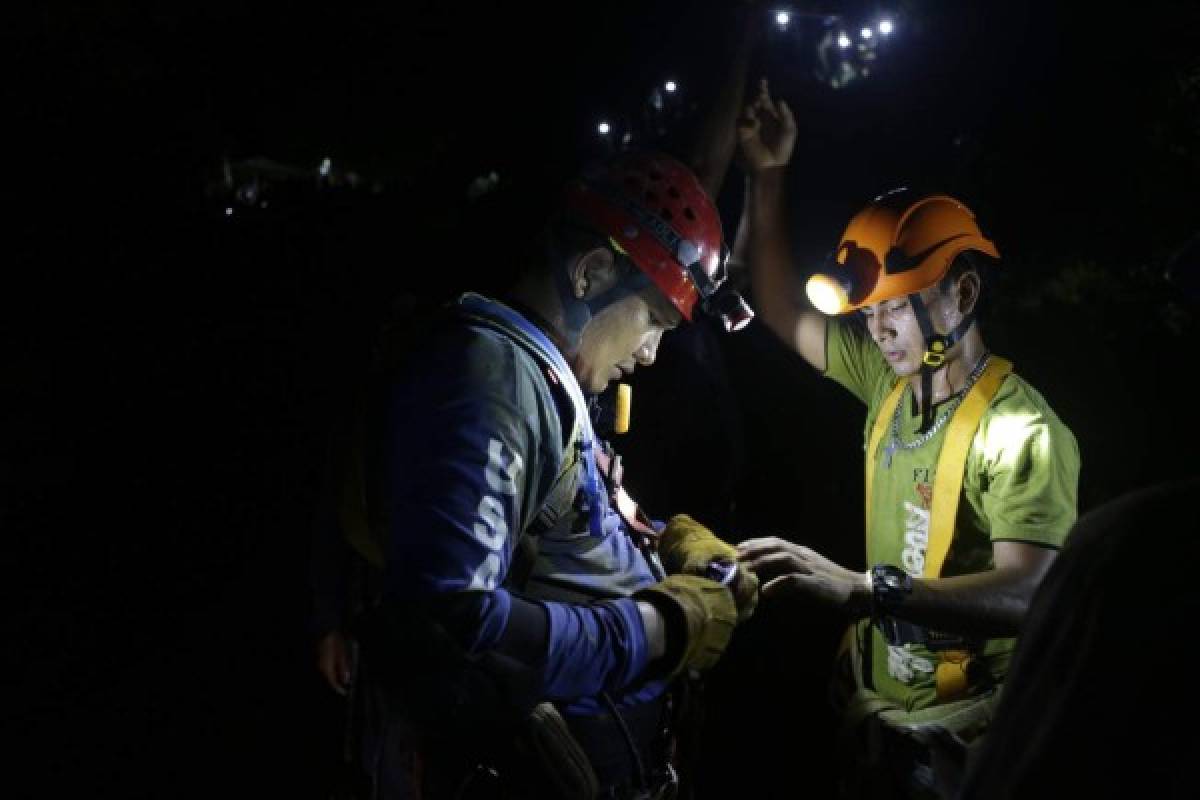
x,y
594,272
968,287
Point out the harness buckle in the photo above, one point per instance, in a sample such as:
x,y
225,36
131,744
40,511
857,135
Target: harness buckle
x,y
934,360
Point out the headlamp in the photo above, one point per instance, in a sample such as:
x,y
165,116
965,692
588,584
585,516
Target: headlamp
x,y
731,307
828,294
718,299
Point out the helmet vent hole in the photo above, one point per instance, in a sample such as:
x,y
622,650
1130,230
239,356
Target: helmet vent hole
x,y
687,212
666,214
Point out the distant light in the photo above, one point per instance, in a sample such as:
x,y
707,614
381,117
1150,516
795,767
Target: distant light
x,y
671,86
603,128
843,41
326,165
783,18
886,27
228,211
867,33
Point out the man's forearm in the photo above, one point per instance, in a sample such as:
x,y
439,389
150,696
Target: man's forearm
x,y
774,281
717,136
992,603
656,631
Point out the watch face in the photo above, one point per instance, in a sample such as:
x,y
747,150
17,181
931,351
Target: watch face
x,y
893,581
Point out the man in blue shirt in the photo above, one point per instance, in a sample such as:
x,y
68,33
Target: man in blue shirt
x,y
521,589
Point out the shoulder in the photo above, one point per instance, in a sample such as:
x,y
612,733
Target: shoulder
x,y
1018,400
1019,418
465,359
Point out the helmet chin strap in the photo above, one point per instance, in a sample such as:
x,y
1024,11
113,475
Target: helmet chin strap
x,y
578,312
937,345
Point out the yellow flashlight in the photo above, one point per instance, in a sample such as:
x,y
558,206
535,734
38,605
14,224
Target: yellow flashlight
x,y
624,399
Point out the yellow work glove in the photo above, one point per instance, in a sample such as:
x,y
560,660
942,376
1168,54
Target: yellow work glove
x,y
687,547
700,616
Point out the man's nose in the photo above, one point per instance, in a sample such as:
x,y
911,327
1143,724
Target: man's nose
x,y
646,354
877,326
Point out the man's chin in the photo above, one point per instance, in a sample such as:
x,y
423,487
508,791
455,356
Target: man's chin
x,y
905,369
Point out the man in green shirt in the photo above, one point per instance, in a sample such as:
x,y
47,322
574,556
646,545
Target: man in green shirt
x,y
951,572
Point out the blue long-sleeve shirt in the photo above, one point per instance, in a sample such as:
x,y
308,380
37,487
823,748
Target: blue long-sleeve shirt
x,y
474,441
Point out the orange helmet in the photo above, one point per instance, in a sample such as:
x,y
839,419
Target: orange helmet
x,y
898,245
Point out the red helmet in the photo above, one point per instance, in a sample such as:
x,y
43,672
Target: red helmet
x,y
655,210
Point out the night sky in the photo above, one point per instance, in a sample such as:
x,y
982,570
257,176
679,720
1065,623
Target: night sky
x,y
172,370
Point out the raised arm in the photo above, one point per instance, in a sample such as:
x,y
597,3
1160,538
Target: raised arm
x,y
716,138
767,136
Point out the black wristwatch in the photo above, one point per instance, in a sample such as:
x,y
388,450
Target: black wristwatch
x,y
890,587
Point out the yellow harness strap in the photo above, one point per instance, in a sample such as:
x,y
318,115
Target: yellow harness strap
x,y
951,672
947,484
952,462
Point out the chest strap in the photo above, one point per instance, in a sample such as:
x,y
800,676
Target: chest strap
x,y
636,520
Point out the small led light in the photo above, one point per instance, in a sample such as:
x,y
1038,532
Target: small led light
x,y
671,86
843,41
782,19
228,211
867,33
886,27
326,165
603,128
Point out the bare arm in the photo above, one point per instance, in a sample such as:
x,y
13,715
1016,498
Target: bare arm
x,y
774,282
717,136
767,134
991,603
656,630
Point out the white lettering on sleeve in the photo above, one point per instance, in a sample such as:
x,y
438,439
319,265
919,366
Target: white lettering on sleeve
x,y
491,529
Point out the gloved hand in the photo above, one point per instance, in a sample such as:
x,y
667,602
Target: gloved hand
x,y
685,546
700,615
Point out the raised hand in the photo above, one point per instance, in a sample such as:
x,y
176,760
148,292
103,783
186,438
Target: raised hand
x,y
766,132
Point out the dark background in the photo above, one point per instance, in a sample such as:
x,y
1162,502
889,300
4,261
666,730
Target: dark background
x,y
171,370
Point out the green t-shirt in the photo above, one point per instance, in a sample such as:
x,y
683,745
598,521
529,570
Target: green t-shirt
x,y
1019,484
